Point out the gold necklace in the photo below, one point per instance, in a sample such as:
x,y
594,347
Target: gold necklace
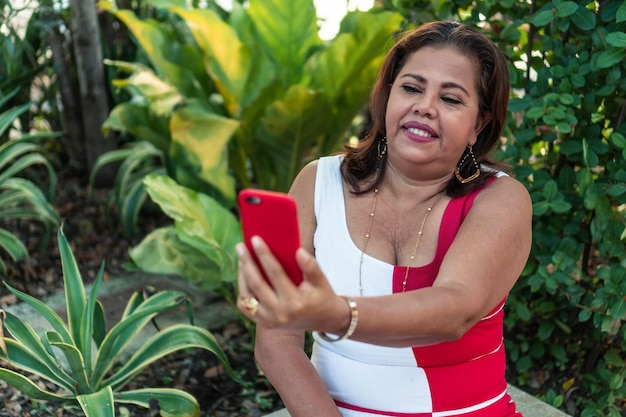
x,y
367,238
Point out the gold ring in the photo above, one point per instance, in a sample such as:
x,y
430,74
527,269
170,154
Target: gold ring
x,y
251,304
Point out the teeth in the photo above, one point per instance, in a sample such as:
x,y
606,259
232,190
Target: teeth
x,y
419,132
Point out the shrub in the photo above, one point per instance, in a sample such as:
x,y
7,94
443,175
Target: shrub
x,y
82,359
22,198
566,141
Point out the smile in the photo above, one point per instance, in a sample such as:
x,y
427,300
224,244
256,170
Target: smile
x,y
419,132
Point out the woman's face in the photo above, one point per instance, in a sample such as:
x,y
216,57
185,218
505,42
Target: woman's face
x,y
432,112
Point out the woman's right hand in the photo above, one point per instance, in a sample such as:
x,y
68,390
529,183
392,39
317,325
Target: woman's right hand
x,y
313,305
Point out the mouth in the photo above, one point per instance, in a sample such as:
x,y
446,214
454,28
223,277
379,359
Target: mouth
x,y
420,132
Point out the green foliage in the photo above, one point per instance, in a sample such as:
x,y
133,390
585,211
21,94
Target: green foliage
x,y
137,160
235,100
279,96
566,140
201,243
20,197
25,64
82,359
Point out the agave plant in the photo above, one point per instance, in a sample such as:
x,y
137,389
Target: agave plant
x,y
21,198
83,360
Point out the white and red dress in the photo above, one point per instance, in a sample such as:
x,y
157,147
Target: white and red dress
x,y
460,378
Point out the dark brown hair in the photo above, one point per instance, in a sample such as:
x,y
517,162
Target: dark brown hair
x,y
362,162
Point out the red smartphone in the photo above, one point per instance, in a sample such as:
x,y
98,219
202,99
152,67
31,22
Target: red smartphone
x,y
272,216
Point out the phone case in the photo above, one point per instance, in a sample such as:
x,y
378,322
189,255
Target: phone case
x,y
272,216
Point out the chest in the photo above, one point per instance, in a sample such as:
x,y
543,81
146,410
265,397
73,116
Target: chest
x,y
394,234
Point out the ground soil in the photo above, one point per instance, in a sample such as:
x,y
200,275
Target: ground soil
x,y
95,236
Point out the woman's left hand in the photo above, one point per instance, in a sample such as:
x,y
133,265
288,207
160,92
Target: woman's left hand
x,y
313,305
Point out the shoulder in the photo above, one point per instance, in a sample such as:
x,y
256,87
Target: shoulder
x,y
304,182
303,191
505,195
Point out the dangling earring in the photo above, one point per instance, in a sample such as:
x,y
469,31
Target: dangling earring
x,y
383,151
472,177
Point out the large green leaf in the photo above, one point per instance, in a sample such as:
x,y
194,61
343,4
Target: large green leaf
x,y
123,332
200,221
46,312
28,387
31,196
289,128
364,38
161,96
25,335
8,117
200,144
22,358
12,245
610,57
88,324
139,121
172,402
227,59
169,340
98,404
76,364
156,41
288,31
163,252
75,299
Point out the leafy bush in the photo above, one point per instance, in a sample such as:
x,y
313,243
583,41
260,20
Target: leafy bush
x,y
20,197
82,359
137,160
229,107
566,141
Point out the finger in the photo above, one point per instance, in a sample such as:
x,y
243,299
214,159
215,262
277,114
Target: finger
x,y
242,283
250,277
272,267
310,268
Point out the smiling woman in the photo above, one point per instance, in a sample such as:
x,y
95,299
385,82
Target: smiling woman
x,y
411,242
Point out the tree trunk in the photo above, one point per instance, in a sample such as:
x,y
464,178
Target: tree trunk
x,y
72,138
92,84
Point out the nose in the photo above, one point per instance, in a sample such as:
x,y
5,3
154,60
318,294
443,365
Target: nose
x,y
426,104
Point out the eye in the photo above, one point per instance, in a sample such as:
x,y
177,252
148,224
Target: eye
x,y
411,88
451,100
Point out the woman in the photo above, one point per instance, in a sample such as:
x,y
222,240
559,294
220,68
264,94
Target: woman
x,y
423,235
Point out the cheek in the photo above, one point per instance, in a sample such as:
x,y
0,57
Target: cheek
x,y
393,116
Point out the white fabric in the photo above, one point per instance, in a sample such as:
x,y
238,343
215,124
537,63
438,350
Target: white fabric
x,y
349,363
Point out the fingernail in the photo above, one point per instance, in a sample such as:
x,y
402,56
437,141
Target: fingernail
x,y
256,242
240,248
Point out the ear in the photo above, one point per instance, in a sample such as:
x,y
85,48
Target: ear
x,y
482,121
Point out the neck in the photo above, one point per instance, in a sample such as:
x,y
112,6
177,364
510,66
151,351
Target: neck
x,y
411,191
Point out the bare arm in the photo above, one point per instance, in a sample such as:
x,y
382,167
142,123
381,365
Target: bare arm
x,y
280,353
480,268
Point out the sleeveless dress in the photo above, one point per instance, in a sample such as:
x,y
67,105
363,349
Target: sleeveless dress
x,y
460,378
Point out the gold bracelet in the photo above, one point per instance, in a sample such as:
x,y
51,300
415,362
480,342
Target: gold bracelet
x,y
354,319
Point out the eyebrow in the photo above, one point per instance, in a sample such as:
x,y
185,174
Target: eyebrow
x,y
448,84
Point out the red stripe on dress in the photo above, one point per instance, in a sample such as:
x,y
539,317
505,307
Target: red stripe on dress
x,y
504,407
379,412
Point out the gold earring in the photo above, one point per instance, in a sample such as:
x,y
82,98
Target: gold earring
x,y
472,177
383,151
